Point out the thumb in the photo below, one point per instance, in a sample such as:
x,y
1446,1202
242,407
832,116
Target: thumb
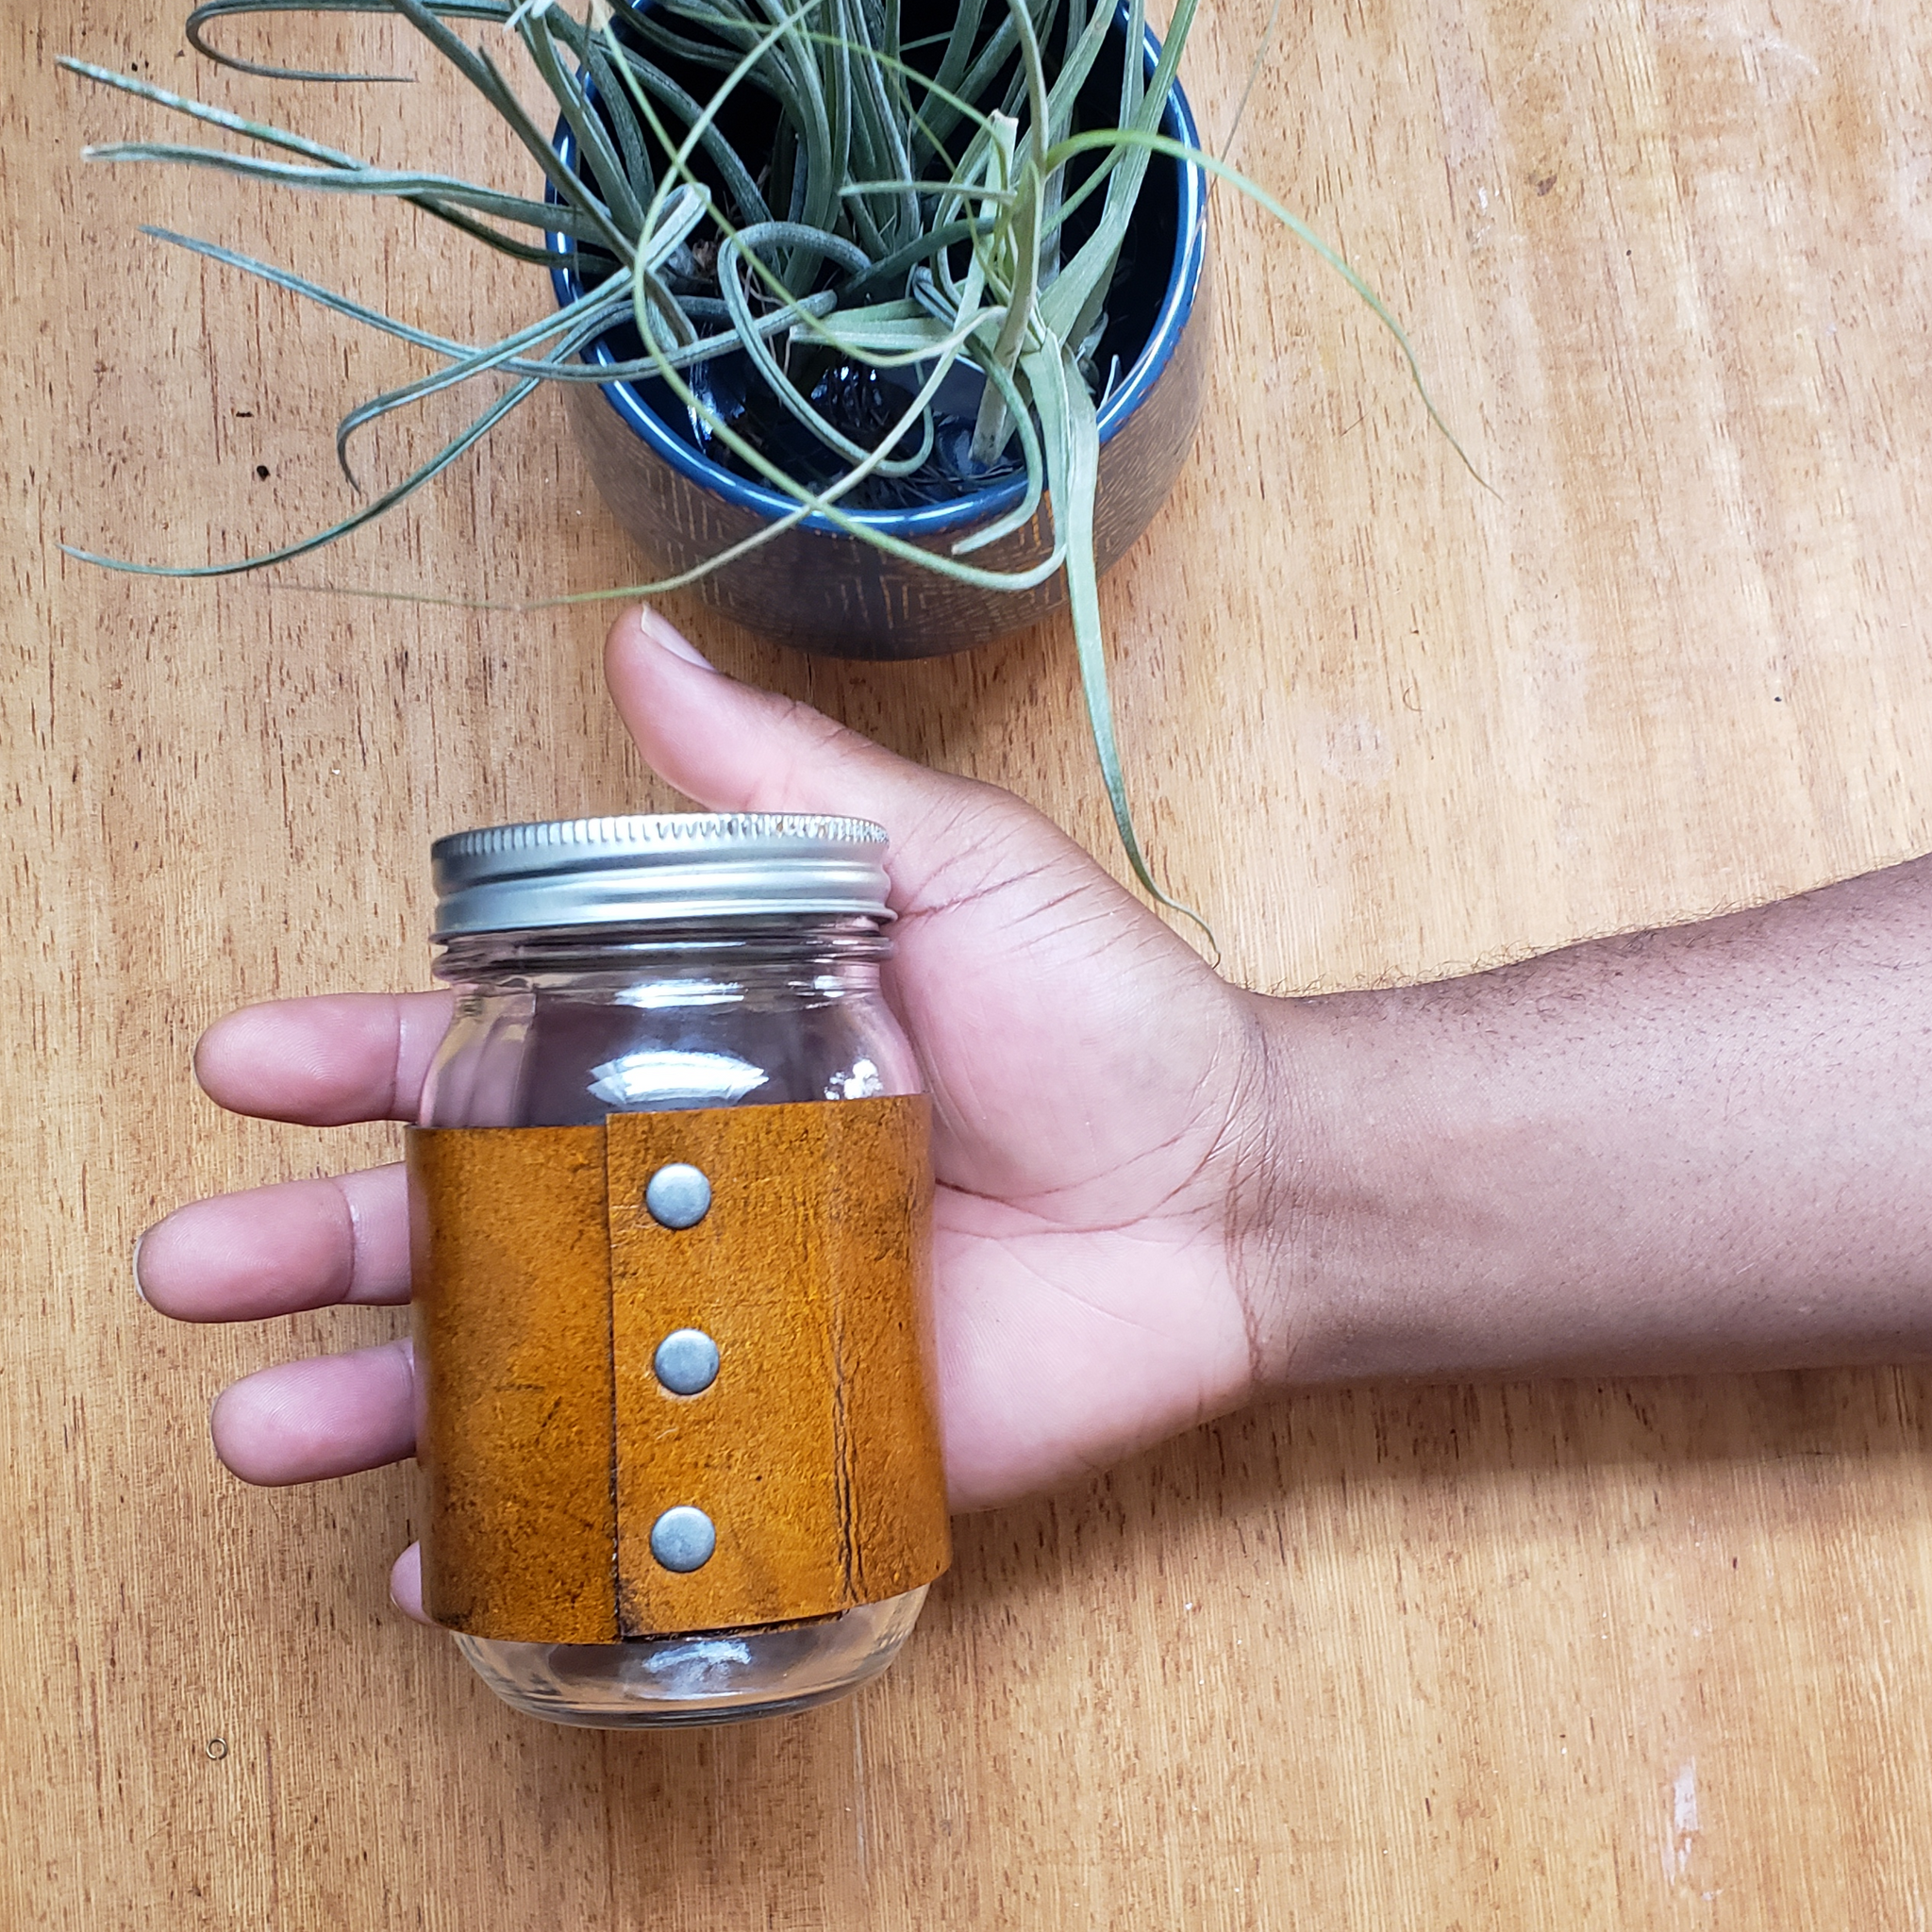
x,y
735,748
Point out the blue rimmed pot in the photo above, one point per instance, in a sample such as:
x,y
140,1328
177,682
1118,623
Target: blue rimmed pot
x,y
819,590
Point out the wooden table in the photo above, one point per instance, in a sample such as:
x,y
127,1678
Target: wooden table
x,y
1570,1655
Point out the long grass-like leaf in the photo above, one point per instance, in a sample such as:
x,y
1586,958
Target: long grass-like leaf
x,y
1164,144
1071,434
700,350
482,73
388,500
292,143
825,502
768,365
327,298
585,122
632,72
199,20
543,216
1031,454
810,503
603,309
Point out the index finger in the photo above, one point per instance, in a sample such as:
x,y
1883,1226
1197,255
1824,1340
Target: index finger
x,y
324,1062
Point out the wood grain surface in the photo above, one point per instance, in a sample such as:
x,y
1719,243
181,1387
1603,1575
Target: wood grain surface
x,y
1573,1656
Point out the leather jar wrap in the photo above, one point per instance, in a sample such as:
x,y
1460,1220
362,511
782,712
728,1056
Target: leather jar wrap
x,y
543,1287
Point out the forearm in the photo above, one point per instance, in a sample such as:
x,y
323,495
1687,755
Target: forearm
x,y
1709,1147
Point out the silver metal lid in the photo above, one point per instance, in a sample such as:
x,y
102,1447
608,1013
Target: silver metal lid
x,y
669,865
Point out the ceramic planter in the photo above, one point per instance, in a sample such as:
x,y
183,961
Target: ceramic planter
x,y
818,589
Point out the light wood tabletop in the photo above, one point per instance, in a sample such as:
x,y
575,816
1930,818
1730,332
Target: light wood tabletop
x,y
1567,1656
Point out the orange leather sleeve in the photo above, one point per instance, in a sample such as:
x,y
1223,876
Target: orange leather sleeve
x,y
542,1289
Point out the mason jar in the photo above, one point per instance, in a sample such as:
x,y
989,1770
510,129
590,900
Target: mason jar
x,y
605,968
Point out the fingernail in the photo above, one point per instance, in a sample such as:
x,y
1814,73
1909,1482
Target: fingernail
x,y
660,630
138,1288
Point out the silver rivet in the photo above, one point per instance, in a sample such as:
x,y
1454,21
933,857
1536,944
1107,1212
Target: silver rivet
x,y
682,1538
686,1361
677,1195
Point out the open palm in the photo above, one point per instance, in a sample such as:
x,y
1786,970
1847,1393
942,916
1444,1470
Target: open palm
x,y
1090,1078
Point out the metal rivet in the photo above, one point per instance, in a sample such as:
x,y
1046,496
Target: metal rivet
x,y
687,1361
682,1538
677,1195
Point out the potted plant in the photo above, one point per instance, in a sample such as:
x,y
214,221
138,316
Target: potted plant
x,y
880,319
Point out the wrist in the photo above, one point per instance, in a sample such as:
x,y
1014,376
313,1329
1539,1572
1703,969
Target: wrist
x,y
1347,1174
1272,1155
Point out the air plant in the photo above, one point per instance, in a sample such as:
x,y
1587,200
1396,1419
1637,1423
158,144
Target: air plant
x,y
917,209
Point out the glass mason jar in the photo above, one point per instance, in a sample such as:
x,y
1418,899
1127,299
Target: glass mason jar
x,y
637,964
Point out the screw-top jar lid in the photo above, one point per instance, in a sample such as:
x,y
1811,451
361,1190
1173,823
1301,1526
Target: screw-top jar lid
x,y
651,868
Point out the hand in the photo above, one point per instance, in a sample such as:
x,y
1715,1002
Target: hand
x,y
1089,1075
